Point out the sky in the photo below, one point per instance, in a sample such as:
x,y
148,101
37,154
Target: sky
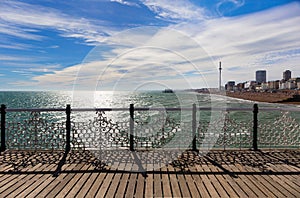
x,y
145,44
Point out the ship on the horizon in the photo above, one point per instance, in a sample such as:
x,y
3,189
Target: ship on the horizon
x,y
168,91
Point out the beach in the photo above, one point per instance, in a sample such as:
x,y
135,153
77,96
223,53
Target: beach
x,y
287,97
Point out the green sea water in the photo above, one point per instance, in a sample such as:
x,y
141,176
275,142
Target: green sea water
x,y
150,99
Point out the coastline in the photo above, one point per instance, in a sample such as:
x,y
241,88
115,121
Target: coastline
x,y
284,97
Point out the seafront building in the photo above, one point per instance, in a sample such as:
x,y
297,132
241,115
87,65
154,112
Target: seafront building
x,y
261,76
287,74
261,83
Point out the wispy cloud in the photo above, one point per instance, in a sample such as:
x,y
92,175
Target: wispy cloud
x,y
169,56
123,2
25,21
175,10
226,6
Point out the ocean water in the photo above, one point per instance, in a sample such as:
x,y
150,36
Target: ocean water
x,y
281,113
149,99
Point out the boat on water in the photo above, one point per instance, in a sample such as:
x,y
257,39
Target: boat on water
x,y
168,91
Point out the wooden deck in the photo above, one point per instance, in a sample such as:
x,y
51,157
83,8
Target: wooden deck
x,y
216,174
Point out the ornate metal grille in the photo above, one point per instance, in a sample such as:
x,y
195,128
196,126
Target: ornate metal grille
x,y
154,128
284,131
34,132
232,134
100,132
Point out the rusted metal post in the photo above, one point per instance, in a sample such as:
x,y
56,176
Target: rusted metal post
x,y
194,127
131,123
68,128
3,112
255,126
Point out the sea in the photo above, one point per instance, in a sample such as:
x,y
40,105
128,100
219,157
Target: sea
x,y
269,113
147,99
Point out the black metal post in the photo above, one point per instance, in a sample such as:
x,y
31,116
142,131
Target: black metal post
x,y
194,127
3,112
255,126
68,128
131,123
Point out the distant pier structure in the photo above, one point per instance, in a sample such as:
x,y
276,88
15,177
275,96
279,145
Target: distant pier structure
x,y
220,76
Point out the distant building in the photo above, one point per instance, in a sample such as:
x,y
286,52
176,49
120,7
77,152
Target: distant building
x,y
274,84
230,85
287,74
261,76
249,84
291,85
283,84
240,86
264,86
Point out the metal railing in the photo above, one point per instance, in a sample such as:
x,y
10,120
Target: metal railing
x,y
134,133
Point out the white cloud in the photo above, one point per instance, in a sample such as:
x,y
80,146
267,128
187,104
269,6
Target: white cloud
x,y
187,54
175,10
128,3
22,15
225,6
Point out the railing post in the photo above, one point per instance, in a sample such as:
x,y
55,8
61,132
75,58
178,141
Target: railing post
x,y
255,126
68,128
3,112
131,123
194,127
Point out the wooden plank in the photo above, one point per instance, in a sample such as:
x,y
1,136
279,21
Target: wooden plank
x,y
49,184
61,185
131,185
37,182
96,184
185,191
191,185
223,182
87,185
79,186
15,180
28,184
105,185
233,182
140,186
250,185
272,185
174,182
166,188
200,186
284,183
122,185
215,182
157,185
149,185
70,186
207,183
112,190
121,190
254,184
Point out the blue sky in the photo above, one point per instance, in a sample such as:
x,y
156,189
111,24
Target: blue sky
x,y
144,44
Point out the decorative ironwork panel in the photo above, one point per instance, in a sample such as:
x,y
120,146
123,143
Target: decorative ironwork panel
x,y
224,133
283,131
155,130
152,131
100,132
34,132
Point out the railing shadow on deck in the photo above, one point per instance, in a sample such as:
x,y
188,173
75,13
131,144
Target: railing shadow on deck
x,y
258,162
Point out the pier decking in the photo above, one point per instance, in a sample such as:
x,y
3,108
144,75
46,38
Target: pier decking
x,y
243,173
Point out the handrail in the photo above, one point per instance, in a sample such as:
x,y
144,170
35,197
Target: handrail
x,y
149,109
68,111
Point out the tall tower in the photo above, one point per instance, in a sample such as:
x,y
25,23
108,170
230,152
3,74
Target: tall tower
x,y
220,76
